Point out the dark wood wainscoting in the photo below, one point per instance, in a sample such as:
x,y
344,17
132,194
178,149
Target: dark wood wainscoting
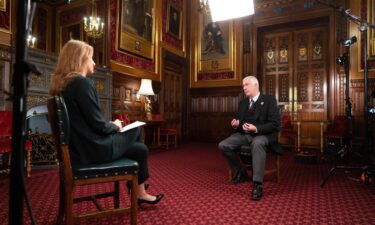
x,y
357,95
212,109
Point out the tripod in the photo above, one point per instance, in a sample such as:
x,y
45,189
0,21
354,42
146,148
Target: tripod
x,y
344,60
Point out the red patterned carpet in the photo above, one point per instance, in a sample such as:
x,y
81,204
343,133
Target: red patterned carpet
x,y
194,179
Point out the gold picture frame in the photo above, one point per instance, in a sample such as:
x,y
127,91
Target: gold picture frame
x,y
217,52
3,5
71,31
215,47
371,32
136,28
174,21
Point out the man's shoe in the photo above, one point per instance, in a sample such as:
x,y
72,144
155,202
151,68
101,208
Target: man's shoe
x,y
240,177
257,192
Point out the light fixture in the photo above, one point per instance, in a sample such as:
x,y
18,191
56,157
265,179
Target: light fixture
x,y
93,25
30,41
226,10
146,90
203,6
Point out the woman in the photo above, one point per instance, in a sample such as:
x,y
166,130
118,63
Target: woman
x,y
94,140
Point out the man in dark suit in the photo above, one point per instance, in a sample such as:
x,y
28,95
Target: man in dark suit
x,y
257,123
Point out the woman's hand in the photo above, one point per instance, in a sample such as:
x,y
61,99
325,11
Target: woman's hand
x,y
118,123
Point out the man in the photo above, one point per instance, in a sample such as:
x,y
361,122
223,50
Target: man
x,y
256,124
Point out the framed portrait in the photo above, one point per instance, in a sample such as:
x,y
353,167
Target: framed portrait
x,y
136,96
128,95
218,46
215,45
3,5
71,31
135,33
174,21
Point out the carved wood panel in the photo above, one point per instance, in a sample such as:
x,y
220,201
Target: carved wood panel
x,y
278,66
294,69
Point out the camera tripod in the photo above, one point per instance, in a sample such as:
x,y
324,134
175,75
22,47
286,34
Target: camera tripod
x,y
345,62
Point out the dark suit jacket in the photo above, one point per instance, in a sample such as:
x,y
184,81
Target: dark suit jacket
x,y
267,119
91,135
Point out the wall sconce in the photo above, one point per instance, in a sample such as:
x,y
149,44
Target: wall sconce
x,y
146,90
30,41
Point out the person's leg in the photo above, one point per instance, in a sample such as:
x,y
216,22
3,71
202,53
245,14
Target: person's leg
x,y
258,153
229,147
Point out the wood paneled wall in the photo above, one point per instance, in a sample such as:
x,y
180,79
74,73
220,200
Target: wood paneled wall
x,y
211,112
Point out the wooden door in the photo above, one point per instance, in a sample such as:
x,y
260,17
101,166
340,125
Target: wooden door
x,y
294,69
173,99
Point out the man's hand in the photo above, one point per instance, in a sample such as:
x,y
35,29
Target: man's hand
x,y
235,123
249,128
118,123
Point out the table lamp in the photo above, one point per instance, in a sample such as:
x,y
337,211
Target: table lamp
x,y
146,90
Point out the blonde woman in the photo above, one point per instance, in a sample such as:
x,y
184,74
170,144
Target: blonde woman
x,y
93,139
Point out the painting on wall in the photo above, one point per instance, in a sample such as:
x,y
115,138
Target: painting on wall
x,y
3,5
215,45
71,31
136,29
174,21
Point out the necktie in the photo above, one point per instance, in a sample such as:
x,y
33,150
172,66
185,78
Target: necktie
x,y
251,103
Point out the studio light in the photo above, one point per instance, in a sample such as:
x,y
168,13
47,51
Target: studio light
x,y
226,10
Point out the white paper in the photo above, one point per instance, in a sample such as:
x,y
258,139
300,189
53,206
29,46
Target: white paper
x,y
132,125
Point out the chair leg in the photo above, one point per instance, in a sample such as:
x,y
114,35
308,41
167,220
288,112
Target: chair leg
x,y
133,203
28,160
60,215
69,205
116,197
230,175
278,168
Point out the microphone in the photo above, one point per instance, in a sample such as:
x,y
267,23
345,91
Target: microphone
x,y
350,41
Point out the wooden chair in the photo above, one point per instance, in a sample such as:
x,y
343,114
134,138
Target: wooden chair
x,y
166,132
288,132
73,174
246,160
6,141
336,130
245,156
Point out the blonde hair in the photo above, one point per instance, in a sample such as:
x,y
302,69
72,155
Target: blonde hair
x,y
70,64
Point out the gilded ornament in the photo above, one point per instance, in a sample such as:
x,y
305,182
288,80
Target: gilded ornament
x,y
317,49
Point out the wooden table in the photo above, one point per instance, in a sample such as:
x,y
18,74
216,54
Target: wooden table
x,y
320,122
156,125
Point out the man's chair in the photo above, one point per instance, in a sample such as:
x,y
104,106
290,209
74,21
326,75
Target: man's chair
x,y
246,160
73,174
245,156
6,141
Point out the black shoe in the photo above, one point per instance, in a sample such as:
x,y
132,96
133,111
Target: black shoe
x,y
156,201
257,192
129,186
240,177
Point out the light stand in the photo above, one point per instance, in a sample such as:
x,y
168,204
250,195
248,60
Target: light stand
x,y
363,25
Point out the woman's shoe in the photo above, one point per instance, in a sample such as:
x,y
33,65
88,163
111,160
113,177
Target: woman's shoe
x,y
158,198
129,186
